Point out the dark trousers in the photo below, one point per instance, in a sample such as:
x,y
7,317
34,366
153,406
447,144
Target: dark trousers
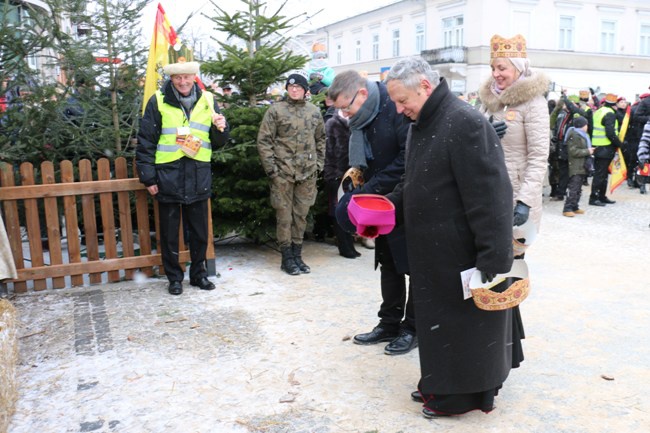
x,y
563,180
574,192
195,217
396,304
599,184
629,154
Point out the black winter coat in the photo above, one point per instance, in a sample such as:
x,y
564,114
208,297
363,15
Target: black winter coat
x,y
337,162
182,181
387,136
456,201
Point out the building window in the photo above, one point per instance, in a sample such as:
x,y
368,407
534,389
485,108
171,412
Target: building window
x,y
339,54
607,36
644,43
566,33
357,51
396,43
419,38
452,29
375,47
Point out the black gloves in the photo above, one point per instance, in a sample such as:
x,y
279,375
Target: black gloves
x,y
499,127
521,213
487,277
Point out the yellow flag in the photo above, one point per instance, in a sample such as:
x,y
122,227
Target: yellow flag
x,y
618,170
163,36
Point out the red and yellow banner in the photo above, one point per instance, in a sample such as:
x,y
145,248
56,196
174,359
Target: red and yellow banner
x,y
163,36
617,167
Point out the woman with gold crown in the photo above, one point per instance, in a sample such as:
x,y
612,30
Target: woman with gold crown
x,y
516,94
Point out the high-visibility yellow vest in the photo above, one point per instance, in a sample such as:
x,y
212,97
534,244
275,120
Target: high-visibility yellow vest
x,y
599,138
174,117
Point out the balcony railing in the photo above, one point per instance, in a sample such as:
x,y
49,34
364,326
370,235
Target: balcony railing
x,y
445,55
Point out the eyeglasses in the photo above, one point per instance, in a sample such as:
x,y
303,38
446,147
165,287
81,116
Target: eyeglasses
x,y
294,86
347,109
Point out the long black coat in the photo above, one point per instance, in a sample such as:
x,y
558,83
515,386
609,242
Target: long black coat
x,y
456,200
387,136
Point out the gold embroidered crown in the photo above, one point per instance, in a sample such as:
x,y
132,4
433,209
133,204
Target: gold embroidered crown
x,y
508,48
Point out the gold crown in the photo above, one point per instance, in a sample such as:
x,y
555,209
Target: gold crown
x,y
486,299
508,48
584,94
611,98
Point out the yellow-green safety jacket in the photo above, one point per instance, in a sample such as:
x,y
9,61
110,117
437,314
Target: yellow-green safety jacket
x,y
599,137
199,123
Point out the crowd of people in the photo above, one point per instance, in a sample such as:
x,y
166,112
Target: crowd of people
x,y
464,179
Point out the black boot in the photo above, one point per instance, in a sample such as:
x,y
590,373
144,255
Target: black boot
x,y
345,243
297,256
288,263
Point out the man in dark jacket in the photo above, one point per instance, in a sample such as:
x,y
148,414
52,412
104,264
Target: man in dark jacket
x,y
180,127
605,140
456,202
378,136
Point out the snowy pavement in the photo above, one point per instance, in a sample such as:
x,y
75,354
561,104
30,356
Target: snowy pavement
x,y
268,352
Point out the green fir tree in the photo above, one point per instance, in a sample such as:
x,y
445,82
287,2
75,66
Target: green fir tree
x,y
253,58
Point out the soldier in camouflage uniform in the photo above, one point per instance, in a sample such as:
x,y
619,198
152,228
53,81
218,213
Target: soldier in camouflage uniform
x,y
291,144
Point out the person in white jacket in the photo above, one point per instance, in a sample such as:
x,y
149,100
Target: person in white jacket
x,y
516,94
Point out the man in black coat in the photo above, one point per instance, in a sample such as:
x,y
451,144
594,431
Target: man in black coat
x,y
378,135
180,127
456,203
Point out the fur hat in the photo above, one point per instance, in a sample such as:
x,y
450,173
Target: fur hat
x,y
514,47
297,79
579,122
181,68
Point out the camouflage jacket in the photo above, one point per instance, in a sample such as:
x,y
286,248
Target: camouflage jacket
x,y
291,140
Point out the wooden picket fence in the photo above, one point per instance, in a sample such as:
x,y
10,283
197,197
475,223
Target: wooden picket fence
x,y
51,208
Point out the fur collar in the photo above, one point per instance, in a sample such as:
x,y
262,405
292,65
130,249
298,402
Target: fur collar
x,y
520,92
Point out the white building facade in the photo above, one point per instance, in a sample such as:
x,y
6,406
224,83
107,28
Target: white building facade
x,y
579,44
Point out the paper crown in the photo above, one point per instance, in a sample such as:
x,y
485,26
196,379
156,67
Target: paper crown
x,y
522,237
318,47
372,214
507,48
181,61
492,300
611,98
584,94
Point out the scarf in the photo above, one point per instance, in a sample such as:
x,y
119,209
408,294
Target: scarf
x,y
187,102
360,151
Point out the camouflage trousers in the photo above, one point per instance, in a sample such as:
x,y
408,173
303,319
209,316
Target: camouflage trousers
x,y
291,201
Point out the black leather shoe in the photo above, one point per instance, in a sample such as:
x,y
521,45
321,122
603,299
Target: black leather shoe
x,y
596,203
428,413
607,201
377,335
202,283
416,396
404,343
175,288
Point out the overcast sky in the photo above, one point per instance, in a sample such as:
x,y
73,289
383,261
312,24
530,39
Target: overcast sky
x,y
321,12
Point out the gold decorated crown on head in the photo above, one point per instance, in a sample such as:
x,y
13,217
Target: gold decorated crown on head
x,y
507,48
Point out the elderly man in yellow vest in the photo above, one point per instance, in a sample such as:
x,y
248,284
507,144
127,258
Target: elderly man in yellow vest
x,y
605,141
180,127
